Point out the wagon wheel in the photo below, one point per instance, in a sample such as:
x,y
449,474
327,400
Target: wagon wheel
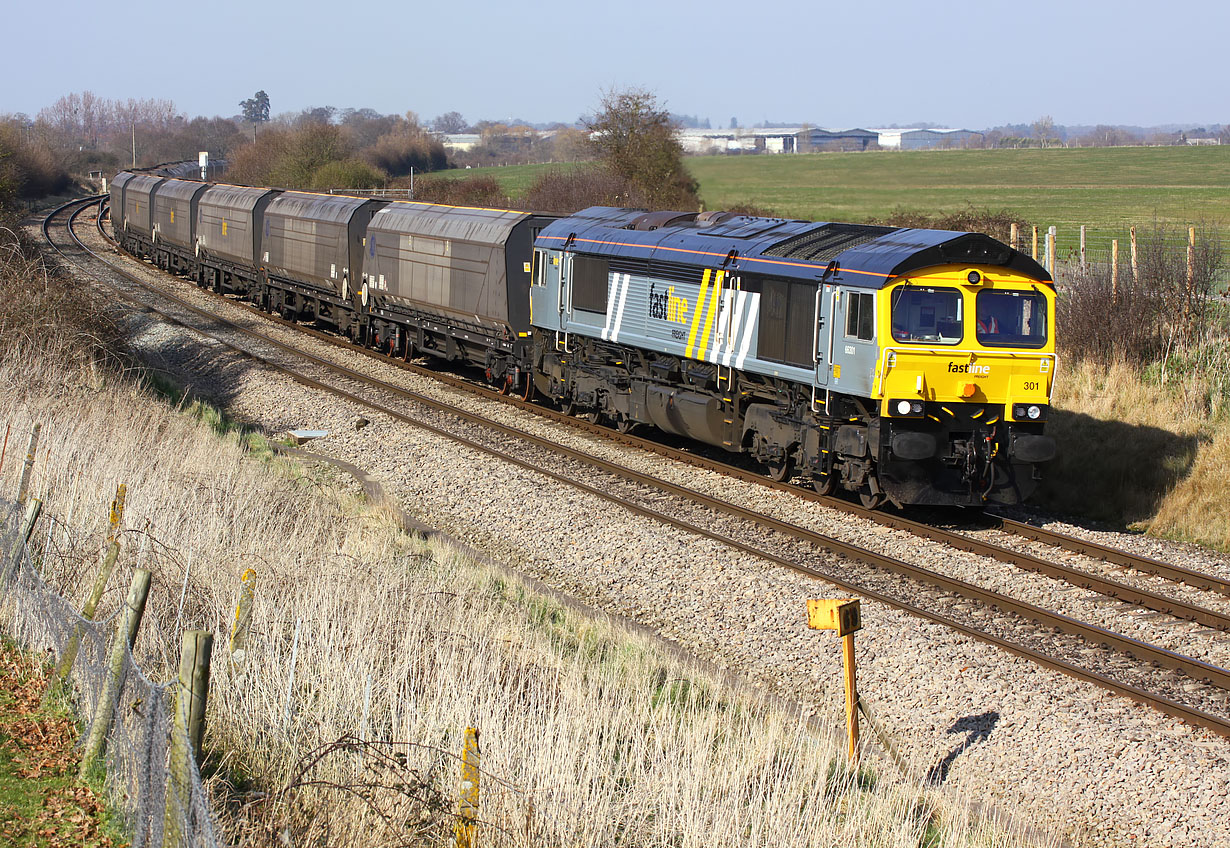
x,y
825,485
871,500
624,424
529,388
780,470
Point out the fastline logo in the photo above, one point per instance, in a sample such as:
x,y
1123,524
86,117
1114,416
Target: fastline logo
x,y
968,368
667,306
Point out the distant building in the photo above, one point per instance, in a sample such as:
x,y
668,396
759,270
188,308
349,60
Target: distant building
x,y
459,141
920,139
774,140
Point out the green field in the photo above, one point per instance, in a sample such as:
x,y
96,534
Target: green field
x,y
1107,189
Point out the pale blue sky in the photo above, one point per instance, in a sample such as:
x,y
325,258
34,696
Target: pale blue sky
x,y
968,64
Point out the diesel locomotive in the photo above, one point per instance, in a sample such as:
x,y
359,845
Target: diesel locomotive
x,y
903,365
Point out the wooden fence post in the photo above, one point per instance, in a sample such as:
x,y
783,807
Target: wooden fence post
x,y
466,829
65,666
1050,250
1083,264
1191,271
12,564
1114,272
125,637
1014,235
191,693
1135,267
1035,250
4,449
23,488
117,511
60,676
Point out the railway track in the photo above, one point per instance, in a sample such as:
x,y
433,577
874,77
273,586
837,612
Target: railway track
x,y
1168,681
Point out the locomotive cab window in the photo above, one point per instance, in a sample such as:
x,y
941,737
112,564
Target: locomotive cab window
x,y
927,315
1011,318
860,316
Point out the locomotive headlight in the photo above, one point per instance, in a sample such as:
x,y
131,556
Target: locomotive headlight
x,y
974,278
903,407
1029,412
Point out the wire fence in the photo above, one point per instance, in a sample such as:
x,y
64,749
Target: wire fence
x,y
160,798
1071,250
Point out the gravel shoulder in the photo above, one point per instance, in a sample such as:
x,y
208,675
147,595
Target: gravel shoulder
x,y
1064,756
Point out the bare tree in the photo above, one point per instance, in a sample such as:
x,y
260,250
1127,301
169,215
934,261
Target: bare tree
x,y
1044,130
635,138
449,122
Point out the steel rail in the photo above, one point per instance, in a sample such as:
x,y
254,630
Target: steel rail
x,y
1075,544
1095,635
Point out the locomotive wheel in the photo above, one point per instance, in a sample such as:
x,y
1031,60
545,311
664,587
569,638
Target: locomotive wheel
x,y
624,424
781,471
528,394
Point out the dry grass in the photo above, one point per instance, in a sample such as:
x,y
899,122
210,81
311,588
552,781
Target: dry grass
x,y
1146,447
591,735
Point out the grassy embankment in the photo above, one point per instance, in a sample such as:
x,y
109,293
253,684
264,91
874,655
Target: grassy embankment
x,y
591,734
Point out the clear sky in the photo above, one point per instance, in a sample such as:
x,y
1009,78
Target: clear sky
x,y
973,64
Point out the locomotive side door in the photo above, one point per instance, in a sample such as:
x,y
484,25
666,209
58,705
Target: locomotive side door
x,y
855,350
565,289
824,334
544,290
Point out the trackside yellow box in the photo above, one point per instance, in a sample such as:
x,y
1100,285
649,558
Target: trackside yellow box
x,y
840,614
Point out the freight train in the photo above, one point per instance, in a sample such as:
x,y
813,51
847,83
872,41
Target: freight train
x,y
903,365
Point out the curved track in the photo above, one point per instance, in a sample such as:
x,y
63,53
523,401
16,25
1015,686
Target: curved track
x,y
1082,650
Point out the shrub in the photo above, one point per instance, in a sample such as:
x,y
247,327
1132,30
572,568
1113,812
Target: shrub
x,y
42,317
563,191
479,191
997,224
397,152
27,170
1140,316
635,140
348,173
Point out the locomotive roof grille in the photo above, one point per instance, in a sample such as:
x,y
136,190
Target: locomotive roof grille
x,y
671,271
827,242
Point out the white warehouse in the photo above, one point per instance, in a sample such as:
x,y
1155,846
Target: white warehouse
x,y
919,139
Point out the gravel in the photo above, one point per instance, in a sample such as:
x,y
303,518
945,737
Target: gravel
x,y
1065,756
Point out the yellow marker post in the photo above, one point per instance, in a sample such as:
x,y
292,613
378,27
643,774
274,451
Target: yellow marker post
x,y
117,511
842,615
466,828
